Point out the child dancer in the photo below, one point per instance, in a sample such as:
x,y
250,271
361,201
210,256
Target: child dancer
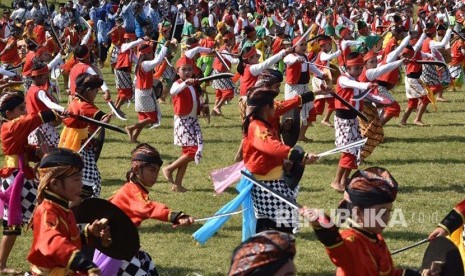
x,y
133,199
345,120
75,132
57,243
187,132
145,101
15,128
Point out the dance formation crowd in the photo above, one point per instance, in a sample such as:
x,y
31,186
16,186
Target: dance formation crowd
x,y
340,58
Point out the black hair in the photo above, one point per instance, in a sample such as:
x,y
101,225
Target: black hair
x,y
241,65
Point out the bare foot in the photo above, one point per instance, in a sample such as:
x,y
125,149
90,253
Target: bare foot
x,y
326,123
338,187
402,123
129,131
168,175
305,139
419,123
178,188
441,99
216,112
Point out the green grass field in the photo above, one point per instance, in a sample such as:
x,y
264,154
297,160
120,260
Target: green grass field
x,y
426,161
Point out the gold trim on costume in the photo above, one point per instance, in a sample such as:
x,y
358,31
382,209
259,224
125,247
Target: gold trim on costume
x,y
11,161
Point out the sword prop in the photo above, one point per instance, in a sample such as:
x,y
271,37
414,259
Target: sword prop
x,y
231,54
458,34
174,27
116,111
322,66
217,76
89,139
218,54
344,102
291,202
410,246
362,95
221,215
95,122
303,36
168,62
358,143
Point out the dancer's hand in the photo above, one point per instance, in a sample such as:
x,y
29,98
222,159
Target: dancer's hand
x,y
438,232
311,158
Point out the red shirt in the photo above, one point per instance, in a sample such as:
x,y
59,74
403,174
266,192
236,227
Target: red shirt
x,y
144,79
33,104
218,65
27,68
456,52
207,42
134,201
346,94
11,56
262,149
56,236
117,36
392,77
39,30
183,102
247,80
76,70
294,73
80,107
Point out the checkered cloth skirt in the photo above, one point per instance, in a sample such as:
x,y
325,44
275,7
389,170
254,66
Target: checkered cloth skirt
x,y
90,174
28,196
123,79
49,132
222,84
140,265
268,206
347,131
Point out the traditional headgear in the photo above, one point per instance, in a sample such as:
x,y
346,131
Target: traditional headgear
x,y
130,35
342,31
372,186
258,96
86,81
269,77
262,254
228,20
371,41
250,53
58,163
409,51
184,61
166,25
144,154
358,60
369,55
220,25
431,30
329,30
145,48
9,101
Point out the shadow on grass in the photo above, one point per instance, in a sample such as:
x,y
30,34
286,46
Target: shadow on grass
x,y
442,138
178,271
408,236
458,188
319,273
410,161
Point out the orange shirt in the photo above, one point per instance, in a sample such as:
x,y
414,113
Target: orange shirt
x,y
133,200
80,107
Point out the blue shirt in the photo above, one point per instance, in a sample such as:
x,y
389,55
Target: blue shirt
x,y
103,28
128,18
140,19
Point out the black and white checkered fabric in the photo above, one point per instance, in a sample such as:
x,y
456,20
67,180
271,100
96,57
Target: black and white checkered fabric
x,y
268,206
28,196
169,73
49,132
90,173
114,54
140,265
348,131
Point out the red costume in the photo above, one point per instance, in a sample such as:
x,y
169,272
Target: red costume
x,y
133,200
57,241
10,54
33,104
76,70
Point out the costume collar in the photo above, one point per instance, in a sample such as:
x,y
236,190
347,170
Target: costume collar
x,y
56,199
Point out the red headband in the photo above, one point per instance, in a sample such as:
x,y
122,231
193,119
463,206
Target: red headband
x,y
130,35
369,55
184,61
355,61
41,71
251,53
145,50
